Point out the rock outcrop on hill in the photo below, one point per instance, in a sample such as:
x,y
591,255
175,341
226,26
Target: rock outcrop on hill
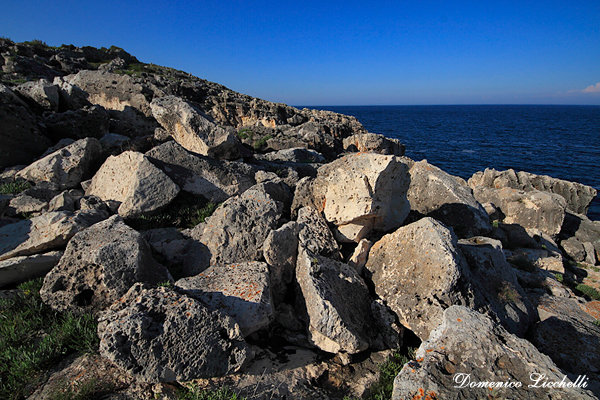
x,y
230,240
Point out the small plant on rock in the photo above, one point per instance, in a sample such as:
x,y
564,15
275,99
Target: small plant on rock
x,y
14,187
588,291
194,392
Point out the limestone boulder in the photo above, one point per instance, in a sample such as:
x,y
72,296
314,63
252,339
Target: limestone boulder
x,y
533,209
280,250
373,142
439,195
99,266
20,137
578,197
238,228
358,259
71,97
468,348
66,167
89,121
65,201
568,335
192,130
584,230
362,192
242,291
47,232
337,304
34,200
201,175
315,235
131,179
293,155
21,269
419,271
40,94
159,335
543,259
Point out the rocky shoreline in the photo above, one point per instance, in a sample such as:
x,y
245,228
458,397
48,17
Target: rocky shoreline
x,y
325,249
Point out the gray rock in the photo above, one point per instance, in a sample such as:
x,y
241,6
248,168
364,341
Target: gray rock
x,y
437,194
99,265
59,145
90,121
201,175
293,155
568,335
468,348
583,229
40,93
242,291
391,332
238,228
20,269
20,137
159,335
113,141
168,242
337,303
315,235
33,200
546,260
533,209
65,201
578,197
280,250
46,232
135,182
419,271
71,97
66,167
374,143
192,130
590,254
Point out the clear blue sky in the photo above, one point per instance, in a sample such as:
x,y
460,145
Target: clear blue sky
x,y
345,52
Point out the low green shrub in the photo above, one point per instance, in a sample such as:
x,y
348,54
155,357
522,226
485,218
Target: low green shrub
x,y
34,337
262,142
588,291
382,389
245,133
14,187
194,392
597,322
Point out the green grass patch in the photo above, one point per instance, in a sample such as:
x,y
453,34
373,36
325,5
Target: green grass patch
x,y
597,322
495,223
34,337
186,211
588,291
14,187
194,392
262,142
559,277
245,133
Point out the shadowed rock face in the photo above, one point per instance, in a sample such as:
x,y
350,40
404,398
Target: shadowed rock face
x,y
467,347
159,335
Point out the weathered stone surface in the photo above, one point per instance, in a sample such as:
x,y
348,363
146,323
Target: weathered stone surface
x,y
191,129
113,141
293,155
20,137
315,235
362,192
337,303
59,145
33,200
65,201
41,94
540,258
99,265
280,250
578,197
499,293
467,347
583,229
66,167
135,182
437,194
532,209
374,143
71,97
238,228
242,291
201,175
20,269
391,332
90,121
159,335
590,254
568,335
46,232
418,271
359,258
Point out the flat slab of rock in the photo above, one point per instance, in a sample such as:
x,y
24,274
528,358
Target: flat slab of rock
x,y
20,269
242,291
238,228
337,303
191,129
131,179
468,348
99,265
362,192
578,197
159,335
47,232
65,167
438,194
419,271
201,175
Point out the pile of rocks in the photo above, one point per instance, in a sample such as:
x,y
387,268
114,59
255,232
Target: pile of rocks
x,y
335,256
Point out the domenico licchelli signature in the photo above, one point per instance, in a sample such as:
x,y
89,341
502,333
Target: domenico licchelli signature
x,y
463,380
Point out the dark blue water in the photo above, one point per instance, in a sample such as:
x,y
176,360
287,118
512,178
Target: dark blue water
x,y
560,141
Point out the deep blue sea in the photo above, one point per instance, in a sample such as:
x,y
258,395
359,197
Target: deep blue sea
x,y
560,141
